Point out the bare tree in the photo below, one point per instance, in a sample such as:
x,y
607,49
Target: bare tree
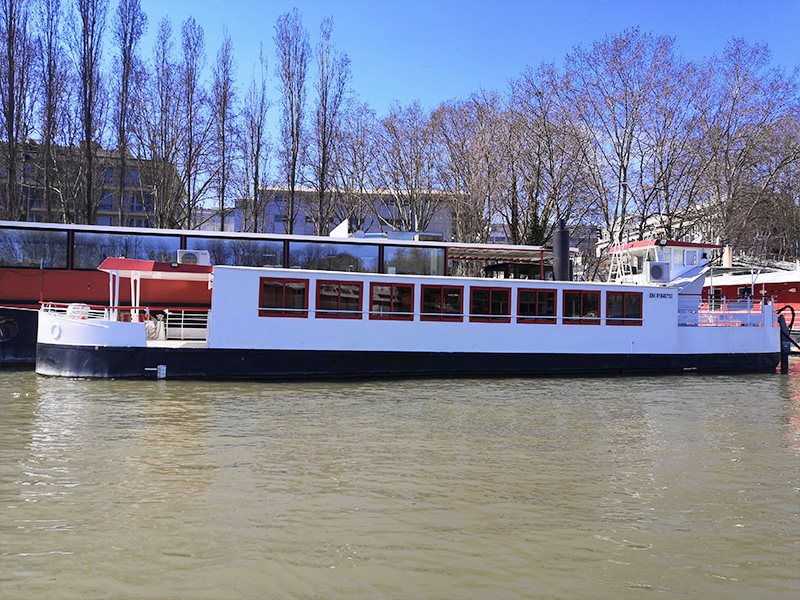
x,y
158,131
52,85
672,164
511,203
469,163
292,47
129,28
255,147
355,167
552,168
224,118
332,83
88,50
408,169
194,103
608,90
16,97
751,109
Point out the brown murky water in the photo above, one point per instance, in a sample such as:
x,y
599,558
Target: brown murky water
x,y
672,487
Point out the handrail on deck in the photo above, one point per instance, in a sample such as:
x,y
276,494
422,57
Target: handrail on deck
x,y
184,323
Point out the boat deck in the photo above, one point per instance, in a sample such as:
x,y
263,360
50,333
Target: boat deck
x,y
177,344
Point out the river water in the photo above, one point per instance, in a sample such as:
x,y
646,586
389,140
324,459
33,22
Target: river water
x,y
662,487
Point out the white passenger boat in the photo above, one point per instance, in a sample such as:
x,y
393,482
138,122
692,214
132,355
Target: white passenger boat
x,y
269,322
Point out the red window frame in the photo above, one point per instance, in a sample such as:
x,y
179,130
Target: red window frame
x,y
490,317
584,318
338,313
442,316
537,318
625,319
282,311
393,313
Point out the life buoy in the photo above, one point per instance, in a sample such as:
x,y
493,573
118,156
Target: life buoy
x,y
55,331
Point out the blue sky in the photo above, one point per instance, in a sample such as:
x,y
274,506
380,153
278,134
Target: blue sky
x,y
437,50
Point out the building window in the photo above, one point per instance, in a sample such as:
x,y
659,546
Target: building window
x,y
339,299
137,204
624,308
392,301
106,202
490,305
536,306
442,303
582,307
283,297
131,177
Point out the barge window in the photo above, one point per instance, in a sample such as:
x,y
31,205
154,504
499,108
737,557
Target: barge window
x,y
442,303
582,307
536,306
624,308
339,299
33,248
91,248
392,301
283,297
406,260
241,252
327,256
490,305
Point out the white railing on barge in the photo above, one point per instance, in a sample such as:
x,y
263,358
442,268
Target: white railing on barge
x,y
722,312
179,323
186,324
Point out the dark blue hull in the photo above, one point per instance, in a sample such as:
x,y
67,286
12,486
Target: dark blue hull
x,y
90,361
18,336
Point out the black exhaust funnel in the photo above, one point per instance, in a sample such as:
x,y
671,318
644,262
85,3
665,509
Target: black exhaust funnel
x,y
561,253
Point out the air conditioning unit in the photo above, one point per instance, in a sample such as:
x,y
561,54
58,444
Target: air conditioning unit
x,y
658,272
194,257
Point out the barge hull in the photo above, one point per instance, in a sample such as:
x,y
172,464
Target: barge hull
x,y
143,363
18,336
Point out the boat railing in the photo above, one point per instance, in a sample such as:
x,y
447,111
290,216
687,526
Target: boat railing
x,y
80,311
179,323
723,312
186,323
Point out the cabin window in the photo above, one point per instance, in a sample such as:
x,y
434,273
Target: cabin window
x,y
33,248
490,305
582,307
243,251
283,297
92,248
536,306
399,260
442,303
339,299
331,256
624,308
392,301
